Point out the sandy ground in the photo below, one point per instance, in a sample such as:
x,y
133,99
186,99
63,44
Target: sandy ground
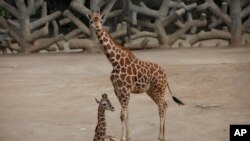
x,y
50,97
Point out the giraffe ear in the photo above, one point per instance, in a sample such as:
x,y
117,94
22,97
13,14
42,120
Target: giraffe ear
x,y
102,17
97,101
89,17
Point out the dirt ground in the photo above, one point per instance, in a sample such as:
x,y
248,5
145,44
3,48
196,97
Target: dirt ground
x,y
50,97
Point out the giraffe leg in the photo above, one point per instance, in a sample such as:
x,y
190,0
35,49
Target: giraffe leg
x,y
124,100
159,99
162,106
125,125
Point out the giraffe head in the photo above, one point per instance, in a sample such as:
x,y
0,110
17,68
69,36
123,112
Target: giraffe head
x,y
96,19
105,104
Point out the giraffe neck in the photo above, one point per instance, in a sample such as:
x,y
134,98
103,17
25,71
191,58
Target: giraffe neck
x,y
112,50
100,130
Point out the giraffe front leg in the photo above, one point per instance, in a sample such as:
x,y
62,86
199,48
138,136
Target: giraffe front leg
x,y
125,125
127,128
124,100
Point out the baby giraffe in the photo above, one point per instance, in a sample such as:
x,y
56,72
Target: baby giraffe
x,y
100,130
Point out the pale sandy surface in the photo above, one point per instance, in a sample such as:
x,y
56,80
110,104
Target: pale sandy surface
x,y
50,97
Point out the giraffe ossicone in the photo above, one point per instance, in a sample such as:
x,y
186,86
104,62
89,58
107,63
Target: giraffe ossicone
x,y
132,75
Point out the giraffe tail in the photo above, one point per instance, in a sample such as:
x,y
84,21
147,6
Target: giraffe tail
x,y
176,100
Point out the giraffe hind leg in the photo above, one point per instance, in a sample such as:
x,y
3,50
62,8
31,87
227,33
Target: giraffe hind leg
x,y
159,99
162,106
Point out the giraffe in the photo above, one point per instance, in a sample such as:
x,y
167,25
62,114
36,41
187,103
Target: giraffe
x,y
132,75
100,130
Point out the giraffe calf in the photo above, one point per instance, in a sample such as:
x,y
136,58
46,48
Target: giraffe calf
x,y
100,130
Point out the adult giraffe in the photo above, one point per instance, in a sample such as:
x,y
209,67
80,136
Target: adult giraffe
x,y
131,75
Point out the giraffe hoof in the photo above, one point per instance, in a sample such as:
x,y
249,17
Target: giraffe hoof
x,y
123,139
161,139
126,139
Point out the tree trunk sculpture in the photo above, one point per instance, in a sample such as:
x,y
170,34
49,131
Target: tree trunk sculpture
x,y
31,35
90,42
162,18
235,24
132,23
